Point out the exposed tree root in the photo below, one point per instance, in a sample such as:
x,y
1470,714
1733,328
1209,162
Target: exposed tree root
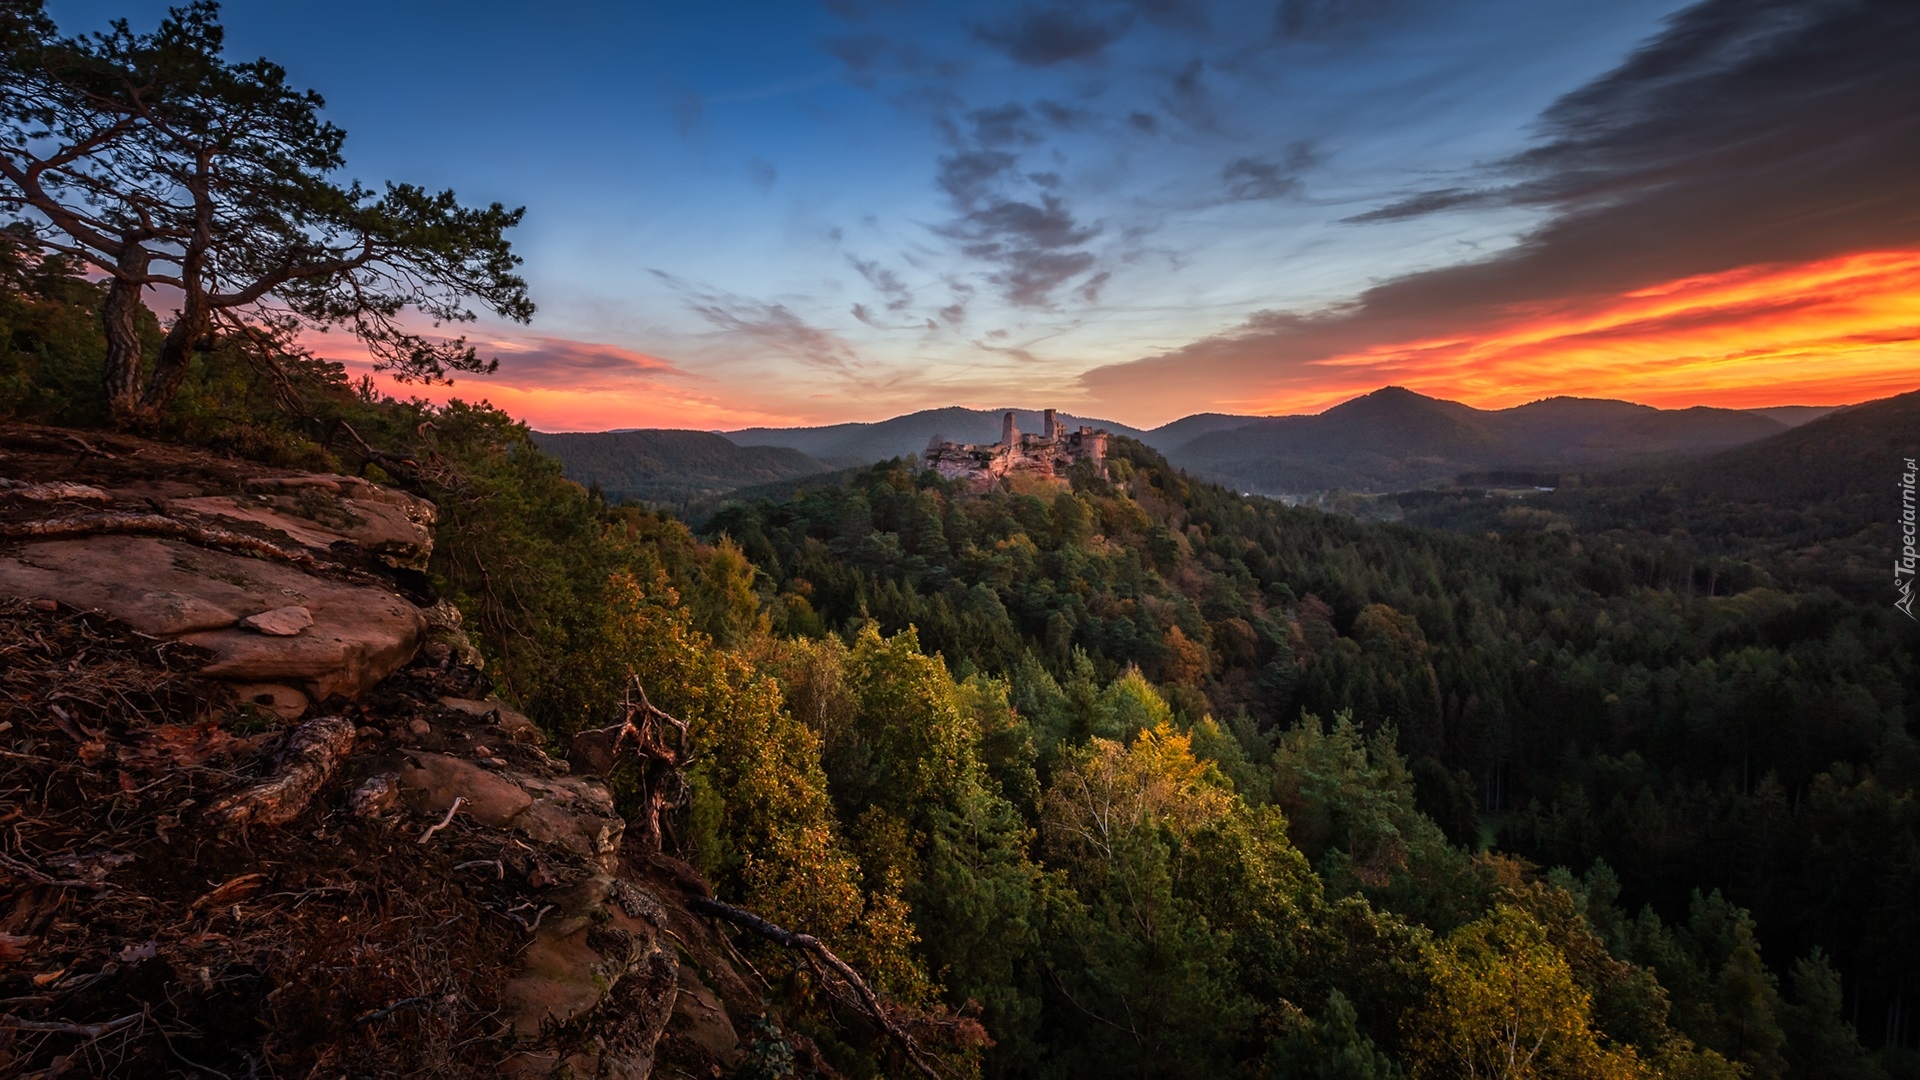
x,y
642,732
159,525
313,751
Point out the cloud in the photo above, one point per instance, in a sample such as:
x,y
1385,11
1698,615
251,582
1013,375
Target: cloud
x,y
561,384
563,363
1090,292
1064,117
1144,123
1252,179
897,295
1006,125
1016,221
1031,242
1043,36
969,176
771,326
1188,99
1745,135
1314,19
1426,202
687,110
1191,15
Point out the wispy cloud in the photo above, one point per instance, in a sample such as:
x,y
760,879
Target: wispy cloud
x,y
1254,178
773,327
1771,140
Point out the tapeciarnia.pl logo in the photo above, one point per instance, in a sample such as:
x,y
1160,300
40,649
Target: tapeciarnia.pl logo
x,y
1903,565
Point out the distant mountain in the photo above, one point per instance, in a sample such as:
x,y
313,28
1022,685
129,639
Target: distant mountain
x,y
1188,428
1579,431
1795,415
664,465
844,445
1394,439
1851,455
1390,440
1817,504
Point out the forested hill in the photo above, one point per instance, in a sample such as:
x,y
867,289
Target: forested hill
x,y
1676,729
665,465
1812,507
1844,455
1394,439
861,444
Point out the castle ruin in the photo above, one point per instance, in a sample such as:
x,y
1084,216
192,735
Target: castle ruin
x,y
1047,454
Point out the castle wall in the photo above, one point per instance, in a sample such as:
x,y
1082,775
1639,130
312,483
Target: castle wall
x,y
1048,454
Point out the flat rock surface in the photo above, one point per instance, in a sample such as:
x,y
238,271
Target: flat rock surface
x,y
308,631
167,588
566,812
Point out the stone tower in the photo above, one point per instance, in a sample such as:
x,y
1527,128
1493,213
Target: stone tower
x,y
1009,432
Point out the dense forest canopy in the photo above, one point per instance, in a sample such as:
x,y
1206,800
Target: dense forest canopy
x,y
1685,714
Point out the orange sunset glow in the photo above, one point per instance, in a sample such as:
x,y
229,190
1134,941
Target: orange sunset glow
x,y
1837,330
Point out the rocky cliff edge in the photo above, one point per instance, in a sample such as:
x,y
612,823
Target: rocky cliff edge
x,y
262,816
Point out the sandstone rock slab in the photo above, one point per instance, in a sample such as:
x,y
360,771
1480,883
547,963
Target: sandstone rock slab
x,y
566,812
510,720
286,702
166,588
279,622
590,957
320,511
491,799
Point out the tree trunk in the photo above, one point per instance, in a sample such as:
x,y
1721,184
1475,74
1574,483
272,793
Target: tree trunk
x,y
189,335
120,318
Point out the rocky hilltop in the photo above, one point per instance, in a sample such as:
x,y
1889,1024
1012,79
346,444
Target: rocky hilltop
x,y
264,818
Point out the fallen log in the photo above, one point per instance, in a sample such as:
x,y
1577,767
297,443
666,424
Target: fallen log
x,y
312,753
807,943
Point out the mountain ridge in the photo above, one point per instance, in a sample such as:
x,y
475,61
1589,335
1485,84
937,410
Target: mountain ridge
x,y
670,464
1391,439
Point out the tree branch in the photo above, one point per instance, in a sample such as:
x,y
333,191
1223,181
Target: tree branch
x,y
807,943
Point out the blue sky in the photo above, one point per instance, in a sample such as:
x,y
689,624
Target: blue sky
x,y
802,212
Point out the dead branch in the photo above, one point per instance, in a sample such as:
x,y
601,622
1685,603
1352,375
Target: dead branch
x,y
86,448
641,733
312,753
157,525
812,946
371,1015
458,801
15,866
56,1027
404,467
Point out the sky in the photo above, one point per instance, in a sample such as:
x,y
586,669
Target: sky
x,y
818,211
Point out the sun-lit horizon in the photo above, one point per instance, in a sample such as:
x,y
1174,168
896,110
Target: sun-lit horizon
x,y
802,215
